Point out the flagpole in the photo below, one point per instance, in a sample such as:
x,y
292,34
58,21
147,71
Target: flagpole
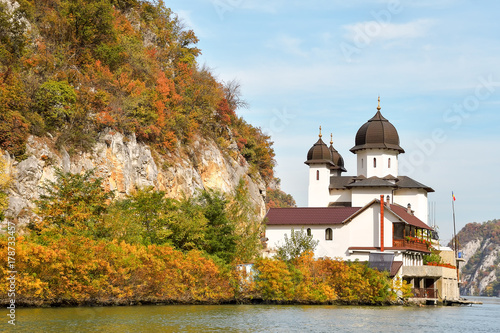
x,y
455,248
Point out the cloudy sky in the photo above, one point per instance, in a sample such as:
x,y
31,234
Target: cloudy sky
x,y
302,64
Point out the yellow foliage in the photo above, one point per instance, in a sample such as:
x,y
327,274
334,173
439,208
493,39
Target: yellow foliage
x,y
5,181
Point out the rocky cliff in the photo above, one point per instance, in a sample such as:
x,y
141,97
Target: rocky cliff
x,y
126,164
481,249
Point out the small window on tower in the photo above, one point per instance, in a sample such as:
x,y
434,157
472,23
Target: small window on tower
x,y
317,174
308,231
328,234
362,164
389,163
374,162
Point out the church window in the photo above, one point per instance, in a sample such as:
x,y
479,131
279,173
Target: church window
x,y
374,162
389,163
317,174
328,234
308,231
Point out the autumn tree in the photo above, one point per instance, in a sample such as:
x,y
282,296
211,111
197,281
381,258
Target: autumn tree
x,y
278,199
73,204
5,182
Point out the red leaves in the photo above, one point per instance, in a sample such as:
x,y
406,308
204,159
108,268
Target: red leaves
x,y
224,112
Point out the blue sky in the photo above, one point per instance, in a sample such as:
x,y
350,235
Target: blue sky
x,y
302,64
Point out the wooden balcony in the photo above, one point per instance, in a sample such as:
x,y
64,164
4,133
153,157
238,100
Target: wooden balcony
x,y
410,245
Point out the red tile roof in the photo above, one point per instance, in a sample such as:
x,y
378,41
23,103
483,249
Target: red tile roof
x,y
332,215
408,218
309,215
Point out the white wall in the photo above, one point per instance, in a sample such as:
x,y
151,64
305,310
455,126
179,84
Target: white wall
x,y
340,196
318,193
417,198
361,196
363,231
365,162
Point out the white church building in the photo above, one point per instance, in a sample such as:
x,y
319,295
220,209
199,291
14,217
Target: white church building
x,y
377,216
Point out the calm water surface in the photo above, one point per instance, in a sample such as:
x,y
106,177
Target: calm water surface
x,y
261,318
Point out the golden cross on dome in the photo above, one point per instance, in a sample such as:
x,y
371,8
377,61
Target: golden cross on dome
x,y
320,132
378,107
331,138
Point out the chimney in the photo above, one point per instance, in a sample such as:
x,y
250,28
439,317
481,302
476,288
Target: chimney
x,y
408,209
387,200
382,223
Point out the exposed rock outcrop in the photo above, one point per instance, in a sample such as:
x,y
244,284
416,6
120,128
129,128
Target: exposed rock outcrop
x,y
125,165
481,268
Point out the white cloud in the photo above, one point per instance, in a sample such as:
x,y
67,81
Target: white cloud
x,y
266,6
365,32
287,44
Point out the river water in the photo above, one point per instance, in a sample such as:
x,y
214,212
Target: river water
x,y
261,318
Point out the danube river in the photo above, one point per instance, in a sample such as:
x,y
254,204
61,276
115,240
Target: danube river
x,y
262,318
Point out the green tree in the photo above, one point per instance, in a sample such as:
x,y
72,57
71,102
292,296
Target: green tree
x,y
73,204
220,232
143,217
188,225
243,213
298,243
55,101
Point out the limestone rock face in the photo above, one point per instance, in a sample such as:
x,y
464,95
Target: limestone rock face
x,y
125,165
483,273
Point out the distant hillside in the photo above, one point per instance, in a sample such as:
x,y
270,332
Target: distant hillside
x,y
480,243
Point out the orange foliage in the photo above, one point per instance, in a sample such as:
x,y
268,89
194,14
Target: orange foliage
x,y
325,280
78,270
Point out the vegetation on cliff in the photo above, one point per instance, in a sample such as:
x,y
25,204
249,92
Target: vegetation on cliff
x,y
278,199
69,68
488,236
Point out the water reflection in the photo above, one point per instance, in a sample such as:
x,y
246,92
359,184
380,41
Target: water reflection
x,y
262,318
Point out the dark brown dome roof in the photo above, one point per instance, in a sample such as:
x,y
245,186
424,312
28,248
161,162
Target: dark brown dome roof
x,y
319,152
337,158
378,132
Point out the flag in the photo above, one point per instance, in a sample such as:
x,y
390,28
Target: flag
x,y
453,195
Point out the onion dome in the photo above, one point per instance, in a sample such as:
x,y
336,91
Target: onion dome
x,y
336,157
377,133
319,153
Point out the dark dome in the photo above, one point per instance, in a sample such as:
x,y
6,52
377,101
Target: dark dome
x,y
336,157
319,153
378,132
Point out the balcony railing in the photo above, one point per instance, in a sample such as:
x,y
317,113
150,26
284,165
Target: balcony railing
x,y
424,292
409,244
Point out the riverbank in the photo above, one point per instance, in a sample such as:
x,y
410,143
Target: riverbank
x,y
76,271
261,318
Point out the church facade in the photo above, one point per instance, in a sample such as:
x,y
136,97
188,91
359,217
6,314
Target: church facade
x,y
377,215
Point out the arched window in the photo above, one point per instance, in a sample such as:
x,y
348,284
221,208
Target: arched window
x,y
389,163
317,174
374,162
309,232
328,234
